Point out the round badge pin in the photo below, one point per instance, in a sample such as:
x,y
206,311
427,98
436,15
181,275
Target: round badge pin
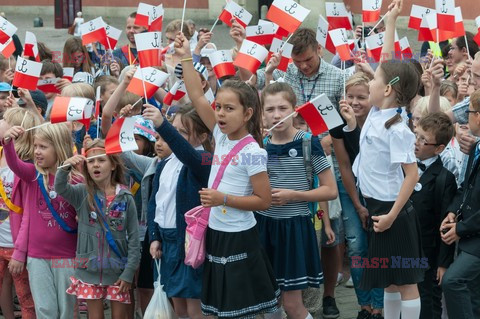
x,y
52,194
93,215
293,152
418,187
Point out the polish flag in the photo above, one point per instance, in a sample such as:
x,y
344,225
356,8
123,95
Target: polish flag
x,y
143,14
340,41
31,48
261,33
113,34
177,91
405,48
148,48
153,78
428,28
210,98
250,56
222,63
7,48
120,137
93,31
98,100
445,14
371,10
416,16
337,15
477,37
375,43
155,21
68,73
26,74
323,37
7,30
48,85
288,14
459,27
286,53
233,10
67,108
320,114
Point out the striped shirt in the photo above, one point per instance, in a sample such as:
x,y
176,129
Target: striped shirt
x,y
286,170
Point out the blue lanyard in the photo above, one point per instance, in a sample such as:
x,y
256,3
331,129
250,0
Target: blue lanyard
x,y
307,98
108,233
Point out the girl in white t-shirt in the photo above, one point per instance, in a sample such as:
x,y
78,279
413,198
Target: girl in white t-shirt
x,y
238,280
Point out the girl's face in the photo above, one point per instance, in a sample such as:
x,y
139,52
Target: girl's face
x,y
109,89
44,153
231,116
162,149
275,108
377,88
77,59
358,99
451,98
99,168
4,126
141,143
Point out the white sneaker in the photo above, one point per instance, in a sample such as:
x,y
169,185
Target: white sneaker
x,y
339,278
349,283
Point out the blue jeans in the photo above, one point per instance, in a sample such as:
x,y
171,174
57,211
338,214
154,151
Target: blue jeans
x,y
357,245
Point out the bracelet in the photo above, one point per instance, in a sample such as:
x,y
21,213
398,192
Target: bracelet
x,y
224,209
186,59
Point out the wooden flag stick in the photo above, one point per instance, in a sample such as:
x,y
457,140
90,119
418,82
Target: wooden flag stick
x,y
88,158
183,14
143,83
380,21
286,41
466,46
34,127
214,24
24,117
281,121
344,89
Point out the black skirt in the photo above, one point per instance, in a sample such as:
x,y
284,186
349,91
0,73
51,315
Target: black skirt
x,y
395,256
238,280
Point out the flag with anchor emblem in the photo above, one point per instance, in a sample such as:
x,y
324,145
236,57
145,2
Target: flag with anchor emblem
x,y
31,48
320,114
7,48
153,78
250,56
26,74
93,31
288,14
120,136
374,44
7,30
445,14
155,20
477,37
262,33
234,11
323,37
459,27
405,48
222,63
337,15
428,27
113,34
143,14
416,16
66,108
48,85
340,41
210,98
371,10
148,48
286,57
177,91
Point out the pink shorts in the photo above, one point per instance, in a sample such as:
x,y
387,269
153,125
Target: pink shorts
x,y
90,291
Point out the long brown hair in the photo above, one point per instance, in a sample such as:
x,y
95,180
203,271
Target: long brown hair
x,y
117,177
248,97
194,125
72,45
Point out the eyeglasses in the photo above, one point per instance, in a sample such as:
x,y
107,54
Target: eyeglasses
x,y
421,140
471,111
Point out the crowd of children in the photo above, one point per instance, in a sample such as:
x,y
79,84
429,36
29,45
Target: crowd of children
x,y
395,186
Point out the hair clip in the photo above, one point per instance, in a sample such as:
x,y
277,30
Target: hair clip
x,y
399,110
409,115
394,80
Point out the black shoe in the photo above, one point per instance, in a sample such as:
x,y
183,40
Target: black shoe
x,y
376,316
330,310
364,314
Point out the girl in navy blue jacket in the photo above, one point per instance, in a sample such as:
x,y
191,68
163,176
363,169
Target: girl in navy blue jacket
x,y
176,184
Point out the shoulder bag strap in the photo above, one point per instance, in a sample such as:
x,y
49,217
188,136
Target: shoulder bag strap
x,y
108,233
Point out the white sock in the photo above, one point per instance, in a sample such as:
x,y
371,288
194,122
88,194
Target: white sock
x,y
309,316
411,308
274,315
392,302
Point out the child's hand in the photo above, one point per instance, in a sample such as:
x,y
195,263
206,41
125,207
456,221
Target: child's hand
x,y
281,197
115,69
348,114
436,72
13,133
395,8
450,236
203,41
427,80
129,75
450,218
15,267
86,140
152,113
382,223
26,96
75,161
330,235
210,197
156,249
10,102
123,285
273,63
9,74
237,32
440,272
62,83
182,46
126,111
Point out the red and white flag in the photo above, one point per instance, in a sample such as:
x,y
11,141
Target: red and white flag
x,y
445,14
148,48
428,28
261,33
68,73
26,74
323,37
250,56
337,15
234,11
48,85
93,31
340,41
67,108
120,137
31,47
222,63
177,91
153,78
288,14
7,48
98,101
416,16
210,98
143,14
286,58
7,30
371,10
374,44
477,37
113,34
155,21
320,114
459,27
405,48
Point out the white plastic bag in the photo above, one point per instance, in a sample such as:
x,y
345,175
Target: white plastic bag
x,y
159,306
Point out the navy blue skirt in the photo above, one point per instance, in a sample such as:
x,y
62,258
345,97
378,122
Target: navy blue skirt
x,y
291,246
178,279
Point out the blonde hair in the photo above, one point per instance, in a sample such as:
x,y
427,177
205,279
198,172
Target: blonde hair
x,y
79,90
477,56
174,26
359,78
24,143
422,105
130,98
